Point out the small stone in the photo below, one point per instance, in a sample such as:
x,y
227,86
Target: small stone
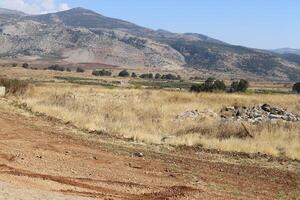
x,y
138,154
273,116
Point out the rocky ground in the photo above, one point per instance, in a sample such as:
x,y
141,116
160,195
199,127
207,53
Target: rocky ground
x,y
41,158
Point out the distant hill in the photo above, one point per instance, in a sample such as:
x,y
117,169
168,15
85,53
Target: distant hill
x,y
4,11
287,50
80,35
9,15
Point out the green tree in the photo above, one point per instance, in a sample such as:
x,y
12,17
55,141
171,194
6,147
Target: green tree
x,y
239,86
124,73
25,65
219,85
157,76
210,85
133,75
79,70
296,87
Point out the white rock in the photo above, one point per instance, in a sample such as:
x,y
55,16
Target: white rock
x,y
2,91
272,116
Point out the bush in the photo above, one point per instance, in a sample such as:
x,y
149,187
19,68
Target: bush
x,y
69,70
25,65
56,68
209,85
219,85
133,75
124,73
239,86
170,77
296,87
14,65
14,86
102,72
79,70
147,76
157,76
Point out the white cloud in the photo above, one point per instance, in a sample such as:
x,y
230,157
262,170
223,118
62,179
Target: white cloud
x,y
34,6
63,6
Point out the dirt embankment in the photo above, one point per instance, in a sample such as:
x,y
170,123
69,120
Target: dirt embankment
x,y
40,160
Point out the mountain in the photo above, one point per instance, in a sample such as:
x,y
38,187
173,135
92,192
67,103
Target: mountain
x,y
7,15
80,35
4,11
287,51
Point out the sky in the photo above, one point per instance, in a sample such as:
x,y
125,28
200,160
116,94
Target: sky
x,y
264,24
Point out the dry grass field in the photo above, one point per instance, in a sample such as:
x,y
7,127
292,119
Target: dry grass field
x,y
149,116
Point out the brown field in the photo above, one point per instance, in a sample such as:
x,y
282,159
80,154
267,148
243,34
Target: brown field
x,y
122,116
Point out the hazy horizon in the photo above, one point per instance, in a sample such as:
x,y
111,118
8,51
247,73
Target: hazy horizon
x,y
271,24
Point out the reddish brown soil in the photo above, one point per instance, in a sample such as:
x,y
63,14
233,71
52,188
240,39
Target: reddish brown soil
x,y
40,155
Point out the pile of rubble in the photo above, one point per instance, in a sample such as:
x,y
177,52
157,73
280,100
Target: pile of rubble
x,y
257,114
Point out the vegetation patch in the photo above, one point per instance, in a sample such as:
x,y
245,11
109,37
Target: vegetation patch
x,y
14,86
85,81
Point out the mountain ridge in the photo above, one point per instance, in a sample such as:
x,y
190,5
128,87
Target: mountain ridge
x,y
82,35
286,51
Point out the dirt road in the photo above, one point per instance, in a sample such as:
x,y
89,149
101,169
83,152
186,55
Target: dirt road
x,y
40,160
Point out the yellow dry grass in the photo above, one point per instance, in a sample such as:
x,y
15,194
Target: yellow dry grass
x,y
149,116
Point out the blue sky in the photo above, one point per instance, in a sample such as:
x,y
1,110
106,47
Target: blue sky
x,y
254,23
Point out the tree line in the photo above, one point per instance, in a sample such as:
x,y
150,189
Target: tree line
x,y
212,84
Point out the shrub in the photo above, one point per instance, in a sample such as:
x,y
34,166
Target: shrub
x,y
157,76
56,68
69,70
147,76
239,86
79,70
25,65
14,86
124,73
102,72
133,75
209,85
170,77
14,65
296,87
219,85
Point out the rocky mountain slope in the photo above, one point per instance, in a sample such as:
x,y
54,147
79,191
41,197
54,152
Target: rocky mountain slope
x,y
80,35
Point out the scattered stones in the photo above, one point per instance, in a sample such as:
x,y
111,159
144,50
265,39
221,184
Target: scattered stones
x,y
196,113
257,114
188,114
138,154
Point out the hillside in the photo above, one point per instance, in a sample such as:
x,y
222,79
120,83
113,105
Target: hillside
x,y
80,35
287,51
